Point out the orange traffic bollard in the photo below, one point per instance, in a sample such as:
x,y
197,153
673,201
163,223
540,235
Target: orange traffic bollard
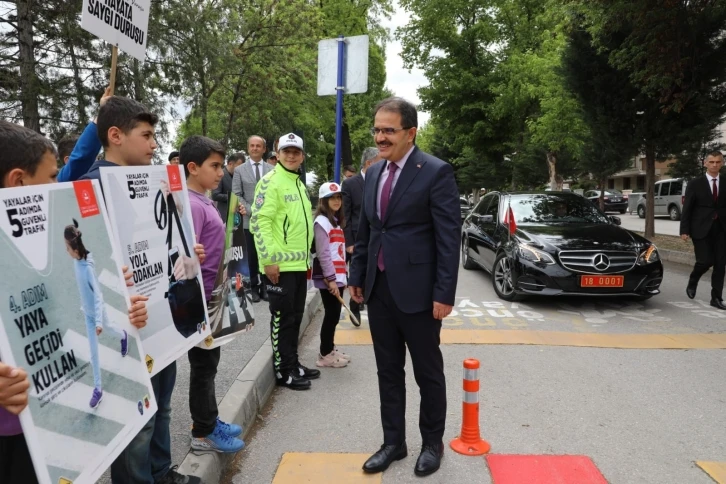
x,y
469,442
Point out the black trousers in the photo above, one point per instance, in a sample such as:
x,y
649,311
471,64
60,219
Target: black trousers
x,y
287,305
202,397
393,331
330,320
710,252
16,467
253,262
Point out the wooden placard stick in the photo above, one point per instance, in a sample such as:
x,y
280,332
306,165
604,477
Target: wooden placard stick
x,y
114,61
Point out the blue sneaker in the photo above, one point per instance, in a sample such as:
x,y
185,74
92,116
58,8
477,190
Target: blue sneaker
x,y
96,397
233,430
125,344
217,441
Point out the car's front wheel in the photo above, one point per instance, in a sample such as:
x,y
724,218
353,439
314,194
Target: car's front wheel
x,y
641,211
465,259
674,213
502,278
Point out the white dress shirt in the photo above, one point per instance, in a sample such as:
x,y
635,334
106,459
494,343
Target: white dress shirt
x,y
384,176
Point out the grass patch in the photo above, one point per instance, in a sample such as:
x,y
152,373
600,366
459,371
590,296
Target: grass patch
x,y
670,242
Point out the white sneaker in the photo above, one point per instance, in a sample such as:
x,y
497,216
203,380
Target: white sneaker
x,y
342,355
331,360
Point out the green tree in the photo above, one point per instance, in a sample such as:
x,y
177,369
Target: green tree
x,y
674,53
605,97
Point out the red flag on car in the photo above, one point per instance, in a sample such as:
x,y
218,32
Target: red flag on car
x,y
509,221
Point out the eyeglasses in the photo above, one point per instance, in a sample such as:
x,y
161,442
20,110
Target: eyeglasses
x,y
386,131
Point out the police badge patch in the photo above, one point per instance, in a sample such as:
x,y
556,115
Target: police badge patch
x,y
259,200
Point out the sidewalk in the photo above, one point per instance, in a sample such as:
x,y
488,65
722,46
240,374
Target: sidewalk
x,y
243,395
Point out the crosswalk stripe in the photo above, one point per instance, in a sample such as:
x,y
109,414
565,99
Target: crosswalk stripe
x,y
109,358
67,452
79,400
112,282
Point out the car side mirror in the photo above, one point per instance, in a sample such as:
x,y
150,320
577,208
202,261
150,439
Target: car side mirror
x,y
486,219
614,219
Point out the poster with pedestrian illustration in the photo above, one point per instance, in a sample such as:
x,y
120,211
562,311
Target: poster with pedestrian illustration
x,y
65,321
230,308
152,224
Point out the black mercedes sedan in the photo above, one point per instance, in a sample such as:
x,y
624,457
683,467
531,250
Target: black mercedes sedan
x,y
558,244
613,201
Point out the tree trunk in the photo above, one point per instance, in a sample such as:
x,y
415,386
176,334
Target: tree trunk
x,y
555,182
81,105
603,181
203,104
139,93
649,193
29,80
233,109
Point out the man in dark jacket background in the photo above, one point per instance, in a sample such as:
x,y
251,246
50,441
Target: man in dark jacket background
x,y
703,220
352,190
221,193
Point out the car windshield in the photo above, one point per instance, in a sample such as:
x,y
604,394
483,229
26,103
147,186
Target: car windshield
x,y
555,208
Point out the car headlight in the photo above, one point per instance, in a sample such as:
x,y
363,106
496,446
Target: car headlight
x,y
649,255
534,255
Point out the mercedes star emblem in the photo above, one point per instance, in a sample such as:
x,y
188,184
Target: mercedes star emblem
x,y
601,262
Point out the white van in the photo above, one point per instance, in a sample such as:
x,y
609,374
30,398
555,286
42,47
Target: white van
x,y
669,195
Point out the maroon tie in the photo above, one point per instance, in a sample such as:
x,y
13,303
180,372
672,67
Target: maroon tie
x,y
385,198
715,191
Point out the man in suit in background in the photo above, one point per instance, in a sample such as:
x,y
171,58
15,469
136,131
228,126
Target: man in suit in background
x,y
704,220
352,190
406,262
221,193
244,182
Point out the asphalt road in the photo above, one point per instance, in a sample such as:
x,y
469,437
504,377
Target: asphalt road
x,y
663,225
642,416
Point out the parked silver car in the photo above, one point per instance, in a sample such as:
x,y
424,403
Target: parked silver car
x,y
668,195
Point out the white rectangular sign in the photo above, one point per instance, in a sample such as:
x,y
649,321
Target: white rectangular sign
x,y
356,65
119,22
64,320
152,223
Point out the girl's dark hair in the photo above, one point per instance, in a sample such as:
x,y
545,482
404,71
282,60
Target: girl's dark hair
x,y
324,210
73,237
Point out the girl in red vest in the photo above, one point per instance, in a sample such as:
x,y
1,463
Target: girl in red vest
x,y
329,270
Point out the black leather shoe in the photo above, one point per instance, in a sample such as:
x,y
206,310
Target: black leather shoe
x,y
294,382
263,292
380,461
308,373
254,295
691,291
429,460
718,304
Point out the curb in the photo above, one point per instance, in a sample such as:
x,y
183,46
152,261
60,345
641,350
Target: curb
x,y
679,257
244,400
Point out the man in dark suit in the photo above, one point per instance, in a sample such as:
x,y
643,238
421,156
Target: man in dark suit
x,y
704,220
221,193
352,190
406,262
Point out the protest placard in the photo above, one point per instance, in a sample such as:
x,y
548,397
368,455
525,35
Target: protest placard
x,y
122,23
152,224
230,307
65,321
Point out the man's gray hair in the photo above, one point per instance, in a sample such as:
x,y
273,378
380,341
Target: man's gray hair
x,y
368,154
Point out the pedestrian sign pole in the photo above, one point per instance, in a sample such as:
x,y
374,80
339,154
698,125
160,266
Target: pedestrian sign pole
x,y
340,89
342,69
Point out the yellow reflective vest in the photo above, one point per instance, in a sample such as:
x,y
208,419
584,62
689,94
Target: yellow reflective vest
x,y
281,221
